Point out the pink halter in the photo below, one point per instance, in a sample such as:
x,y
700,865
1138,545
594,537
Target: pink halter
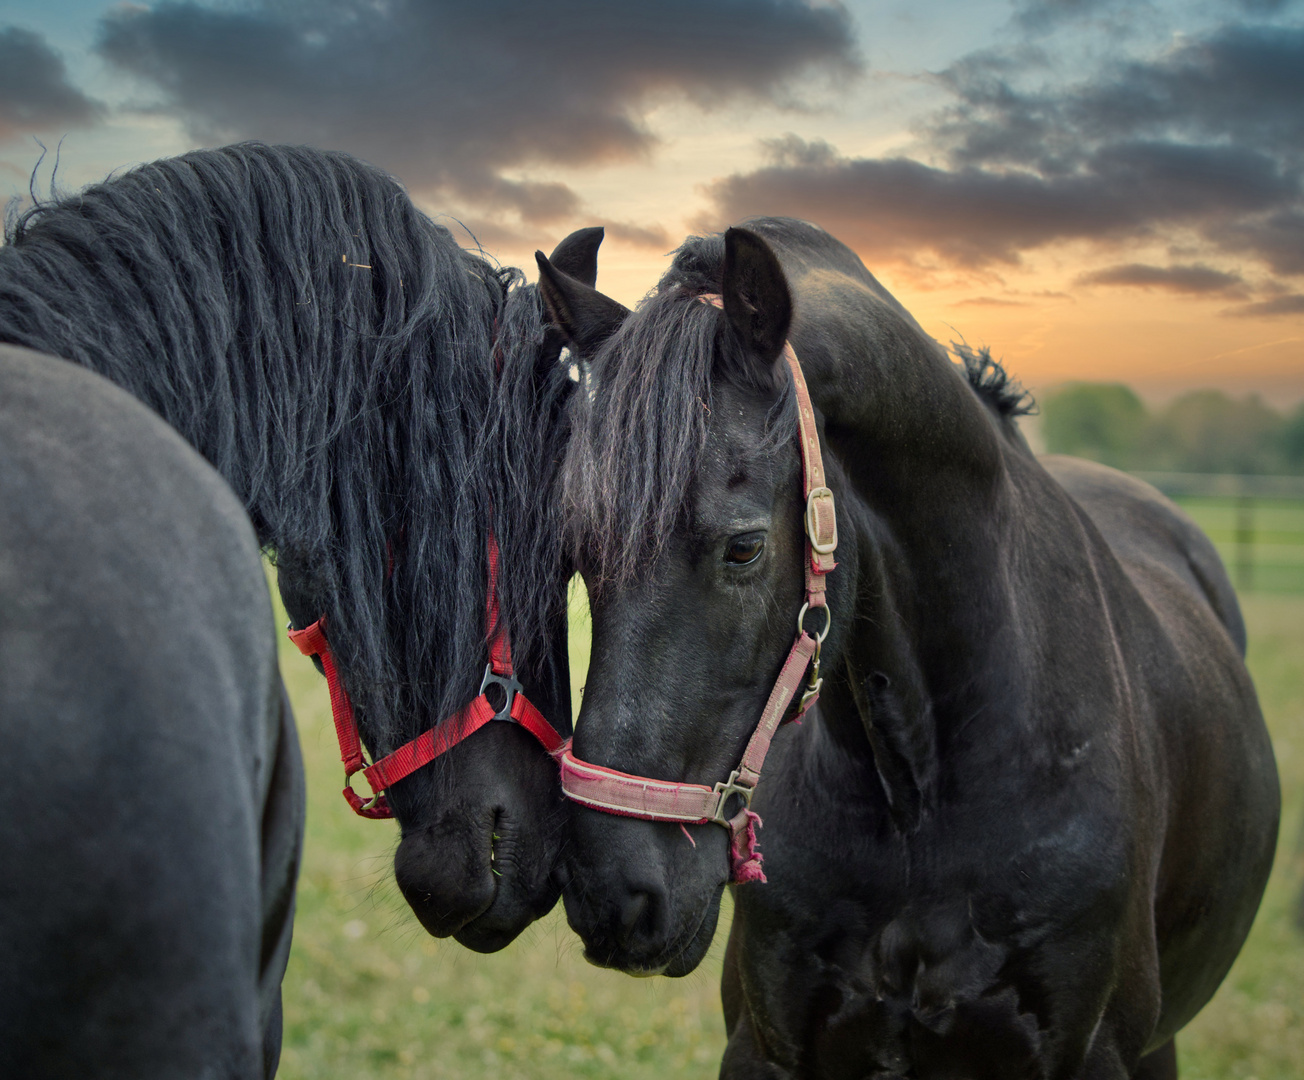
x,y
615,792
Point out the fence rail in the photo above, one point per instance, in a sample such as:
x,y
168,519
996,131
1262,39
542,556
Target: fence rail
x,y
1256,522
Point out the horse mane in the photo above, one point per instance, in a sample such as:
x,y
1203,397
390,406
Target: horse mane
x,y
329,349
993,384
638,435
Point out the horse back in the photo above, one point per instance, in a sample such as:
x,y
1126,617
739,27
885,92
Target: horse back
x,y
154,820
1150,536
1180,628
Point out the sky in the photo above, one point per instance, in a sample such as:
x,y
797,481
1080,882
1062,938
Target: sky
x,y
1095,189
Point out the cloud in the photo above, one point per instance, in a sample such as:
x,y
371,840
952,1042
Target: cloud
x,y
1181,279
990,301
647,236
1238,85
1205,138
1038,16
35,94
1277,238
450,95
1289,304
894,207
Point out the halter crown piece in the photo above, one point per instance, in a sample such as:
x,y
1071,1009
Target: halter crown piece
x,y
620,793
311,641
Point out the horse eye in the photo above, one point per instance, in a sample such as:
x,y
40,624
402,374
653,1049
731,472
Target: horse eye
x,y
744,549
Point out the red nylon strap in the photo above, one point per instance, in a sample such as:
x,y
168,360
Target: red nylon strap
x,y
615,792
311,641
411,756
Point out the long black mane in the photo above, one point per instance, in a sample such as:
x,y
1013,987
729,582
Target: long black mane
x,y
638,436
330,350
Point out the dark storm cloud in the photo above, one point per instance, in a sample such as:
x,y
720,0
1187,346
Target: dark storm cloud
x,y
897,207
1239,84
451,94
1206,138
1181,279
1277,239
1040,15
35,94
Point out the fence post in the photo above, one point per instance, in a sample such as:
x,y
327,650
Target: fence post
x,y
1245,542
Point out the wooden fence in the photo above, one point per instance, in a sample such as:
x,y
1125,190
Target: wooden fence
x,y
1256,522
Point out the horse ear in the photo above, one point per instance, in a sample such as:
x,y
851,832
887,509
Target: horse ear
x,y
584,316
577,255
756,298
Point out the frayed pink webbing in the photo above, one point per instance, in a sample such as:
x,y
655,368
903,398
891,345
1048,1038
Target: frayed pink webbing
x,y
744,856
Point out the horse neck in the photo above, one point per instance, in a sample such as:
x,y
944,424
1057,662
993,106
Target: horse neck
x,y
926,496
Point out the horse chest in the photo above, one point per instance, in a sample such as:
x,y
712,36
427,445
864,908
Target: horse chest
x,y
893,1006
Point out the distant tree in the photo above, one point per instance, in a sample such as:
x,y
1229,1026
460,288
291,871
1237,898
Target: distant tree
x,y
1208,432
1292,451
1102,421
1202,432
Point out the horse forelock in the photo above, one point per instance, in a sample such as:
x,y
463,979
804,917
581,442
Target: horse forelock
x,y
329,349
640,427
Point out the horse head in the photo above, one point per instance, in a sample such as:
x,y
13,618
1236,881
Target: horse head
x,y
482,832
684,485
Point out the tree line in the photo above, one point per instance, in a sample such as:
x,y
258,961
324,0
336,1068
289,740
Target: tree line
x,y
1205,431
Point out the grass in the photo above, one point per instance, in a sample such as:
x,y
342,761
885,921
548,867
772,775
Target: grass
x,y
1277,549
369,996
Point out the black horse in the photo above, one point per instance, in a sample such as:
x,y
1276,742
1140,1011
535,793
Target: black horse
x,y
155,811
379,400
1026,828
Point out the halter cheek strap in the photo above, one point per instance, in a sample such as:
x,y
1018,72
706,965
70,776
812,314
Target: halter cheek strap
x,y
408,758
615,792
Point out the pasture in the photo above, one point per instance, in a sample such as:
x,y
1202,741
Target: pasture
x,y
369,995
1274,531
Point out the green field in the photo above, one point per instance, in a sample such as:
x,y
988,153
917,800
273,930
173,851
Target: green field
x,y
1276,548
369,996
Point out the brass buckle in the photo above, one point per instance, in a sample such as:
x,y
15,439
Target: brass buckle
x,y
826,547
723,790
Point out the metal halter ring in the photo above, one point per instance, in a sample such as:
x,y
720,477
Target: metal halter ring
x,y
349,774
511,687
801,622
726,788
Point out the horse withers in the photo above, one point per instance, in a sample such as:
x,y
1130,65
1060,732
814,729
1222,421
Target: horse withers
x,y
381,401
1025,828
154,808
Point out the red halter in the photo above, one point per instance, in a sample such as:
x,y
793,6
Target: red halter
x,y
620,793
427,746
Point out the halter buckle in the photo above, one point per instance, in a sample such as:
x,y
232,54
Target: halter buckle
x,y
510,689
723,790
375,807
822,544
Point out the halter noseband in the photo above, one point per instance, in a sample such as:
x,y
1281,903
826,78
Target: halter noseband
x,y
311,641
615,792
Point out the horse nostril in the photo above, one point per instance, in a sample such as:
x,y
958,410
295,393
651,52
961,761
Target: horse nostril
x,y
639,914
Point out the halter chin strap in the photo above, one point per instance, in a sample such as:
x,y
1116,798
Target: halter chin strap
x,y
311,641
615,792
